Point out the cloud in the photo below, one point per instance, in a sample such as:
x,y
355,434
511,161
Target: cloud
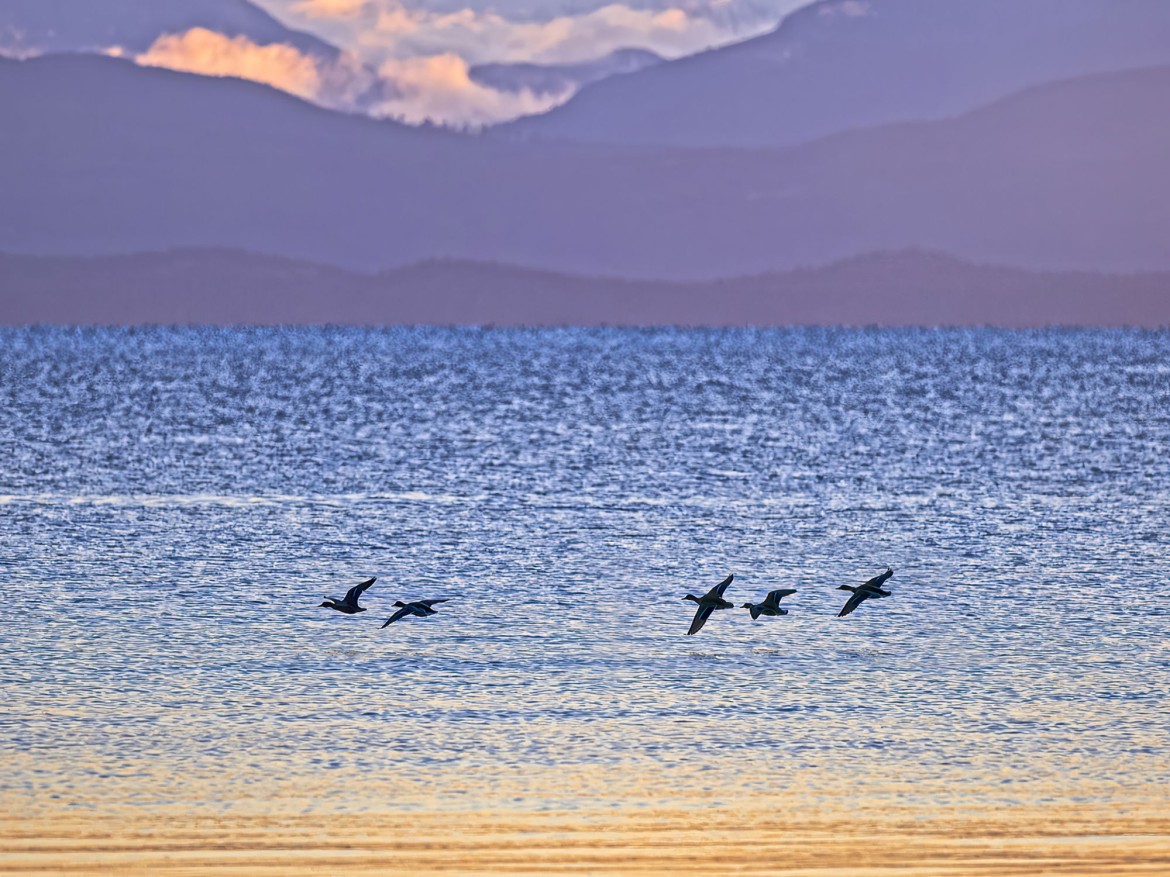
x,y
438,88
847,8
13,44
487,36
18,53
382,29
411,63
337,9
212,54
343,84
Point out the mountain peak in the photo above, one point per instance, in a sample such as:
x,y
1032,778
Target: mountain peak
x,y
842,64
65,26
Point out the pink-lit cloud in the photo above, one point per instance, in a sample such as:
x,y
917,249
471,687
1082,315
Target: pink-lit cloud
x,y
436,88
336,9
412,63
212,54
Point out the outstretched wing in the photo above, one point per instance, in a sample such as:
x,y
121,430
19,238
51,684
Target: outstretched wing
x,y
859,596
878,581
430,603
716,593
774,597
356,591
401,613
701,615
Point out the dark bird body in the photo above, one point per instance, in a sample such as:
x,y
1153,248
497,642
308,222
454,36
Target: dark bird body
x,y
871,589
770,605
418,608
708,603
350,604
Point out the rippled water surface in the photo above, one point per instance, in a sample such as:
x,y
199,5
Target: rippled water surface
x,y
174,505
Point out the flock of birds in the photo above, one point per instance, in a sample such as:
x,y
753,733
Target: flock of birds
x,y
349,604
770,605
708,603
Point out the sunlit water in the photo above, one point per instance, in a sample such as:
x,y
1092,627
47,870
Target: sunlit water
x,y
174,505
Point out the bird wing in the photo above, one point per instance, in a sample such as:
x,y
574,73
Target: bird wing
x,y
858,597
716,593
701,615
774,597
404,611
878,581
430,603
351,596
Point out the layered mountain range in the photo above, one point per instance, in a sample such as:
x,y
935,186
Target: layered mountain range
x,y
880,127
30,28
836,65
223,287
101,156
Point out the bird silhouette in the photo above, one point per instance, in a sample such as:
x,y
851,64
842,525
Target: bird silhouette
x,y
350,604
708,603
419,608
870,590
770,605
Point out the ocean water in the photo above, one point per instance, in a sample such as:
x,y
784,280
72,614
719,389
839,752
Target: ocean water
x,y
174,504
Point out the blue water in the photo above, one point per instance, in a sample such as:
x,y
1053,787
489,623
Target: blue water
x,y
175,503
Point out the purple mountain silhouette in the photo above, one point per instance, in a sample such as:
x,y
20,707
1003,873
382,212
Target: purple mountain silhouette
x,y
59,26
102,157
842,64
901,289
559,78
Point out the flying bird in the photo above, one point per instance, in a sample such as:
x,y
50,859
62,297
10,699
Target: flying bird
x,y
770,605
861,593
350,604
419,608
708,603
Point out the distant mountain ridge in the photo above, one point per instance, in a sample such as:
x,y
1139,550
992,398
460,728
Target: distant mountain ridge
x,y
220,287
843,64
98,156
29,28
69,26
555,79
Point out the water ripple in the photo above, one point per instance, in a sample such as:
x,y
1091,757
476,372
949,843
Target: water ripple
x,y
175,503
